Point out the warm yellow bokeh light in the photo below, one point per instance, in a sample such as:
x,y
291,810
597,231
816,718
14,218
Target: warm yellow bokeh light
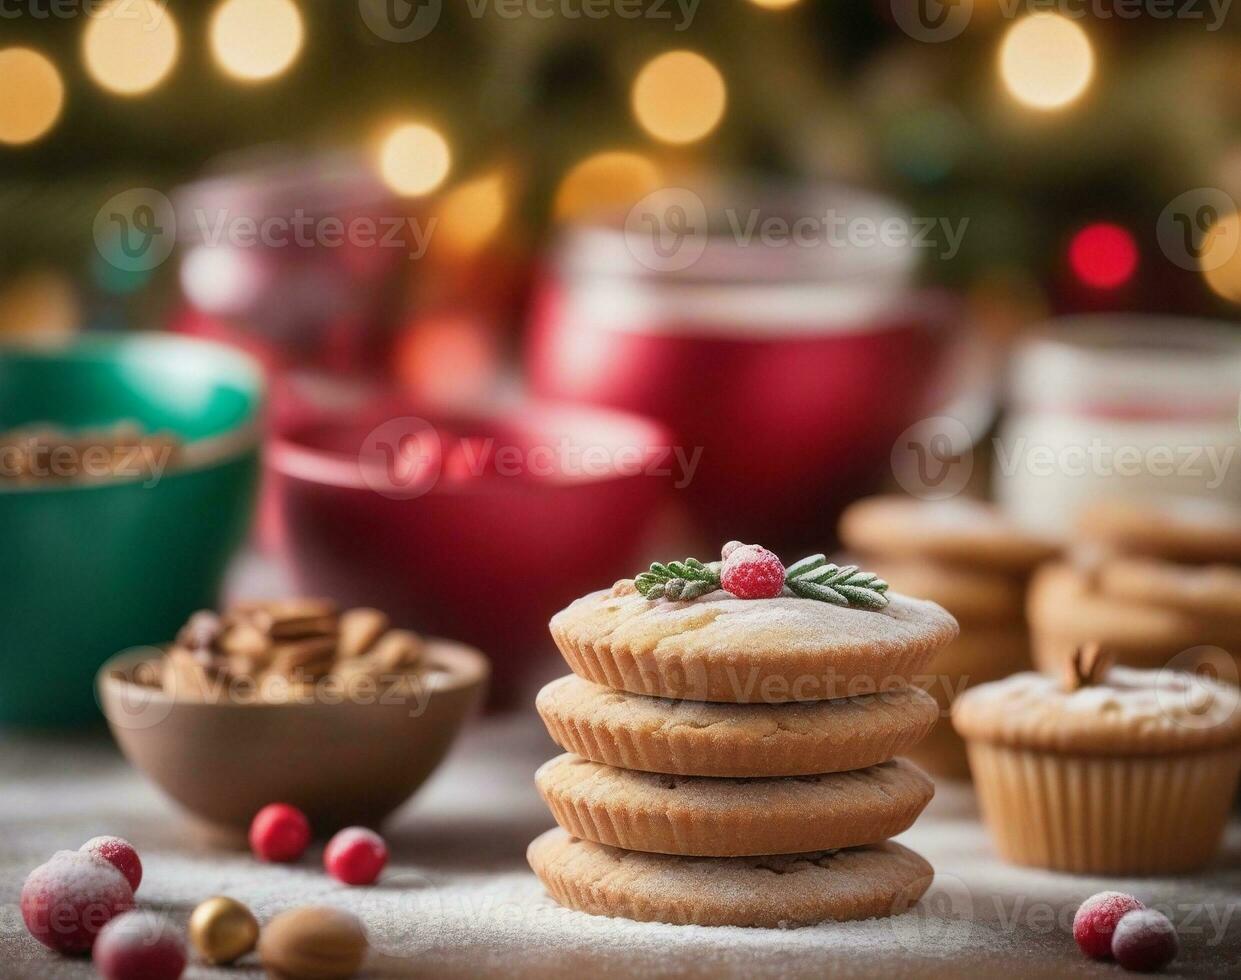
x,y
774,4
1046,61
471,213
256,39
129,46
33,95
608,182
679,97
414,159
1221,257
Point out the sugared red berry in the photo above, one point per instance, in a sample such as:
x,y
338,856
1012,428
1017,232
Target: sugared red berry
x,y
355,856
1097,917
729,548
119,853
66,901
279,832
1144,941
752,572
139,946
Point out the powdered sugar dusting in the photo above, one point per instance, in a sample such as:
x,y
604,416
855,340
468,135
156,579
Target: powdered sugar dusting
x,y
85,877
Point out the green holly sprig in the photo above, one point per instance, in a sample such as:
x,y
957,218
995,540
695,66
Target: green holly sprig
x,y
814,577
689,579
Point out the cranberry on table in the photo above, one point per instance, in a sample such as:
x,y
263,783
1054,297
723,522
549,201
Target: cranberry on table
x,y
1145,940
355,856
1096,918
279,832
751,572
139,946
119,853
68,900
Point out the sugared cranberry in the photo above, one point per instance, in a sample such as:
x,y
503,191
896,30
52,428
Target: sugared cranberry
x,y
119,853
729,548
279,832
355,856
752,572
1097,917
139,946
1144,941
66,901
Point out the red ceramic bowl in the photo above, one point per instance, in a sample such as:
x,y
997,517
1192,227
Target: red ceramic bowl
x,y
496,522
794,371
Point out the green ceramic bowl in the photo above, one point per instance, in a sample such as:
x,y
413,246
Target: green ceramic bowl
x,y
90,569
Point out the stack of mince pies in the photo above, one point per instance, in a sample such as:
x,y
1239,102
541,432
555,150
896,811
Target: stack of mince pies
x,y
734,761
1156,583
968,557
283,650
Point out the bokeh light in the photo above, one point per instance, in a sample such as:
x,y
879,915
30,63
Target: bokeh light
x,y
605,183
471,214
774,4
1221,257
130,46
1103,255
1046,61
255,40
33,95
414,159
679,97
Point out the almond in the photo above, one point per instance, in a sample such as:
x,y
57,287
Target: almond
x,y
359,629
313,943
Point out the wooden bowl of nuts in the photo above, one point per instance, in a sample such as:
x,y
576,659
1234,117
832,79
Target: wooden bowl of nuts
x,y
291,701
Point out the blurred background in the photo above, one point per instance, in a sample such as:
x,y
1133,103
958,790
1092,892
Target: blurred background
x,y
792,252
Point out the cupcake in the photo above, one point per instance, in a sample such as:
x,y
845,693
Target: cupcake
x,y
1106,770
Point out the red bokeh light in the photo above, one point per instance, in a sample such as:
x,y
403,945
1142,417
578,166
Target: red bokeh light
x,y
1103,255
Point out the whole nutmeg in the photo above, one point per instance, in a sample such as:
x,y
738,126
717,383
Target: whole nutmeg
x,y
223,930
313,943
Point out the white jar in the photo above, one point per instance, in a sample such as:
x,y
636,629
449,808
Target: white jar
x,y
1123,406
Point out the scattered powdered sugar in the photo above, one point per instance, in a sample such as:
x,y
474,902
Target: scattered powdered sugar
x,y
457,899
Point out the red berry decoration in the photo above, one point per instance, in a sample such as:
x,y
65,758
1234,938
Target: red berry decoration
x,y
1097,917
1145,941
68,900
752,572
279,832
356,856
139,946
119,853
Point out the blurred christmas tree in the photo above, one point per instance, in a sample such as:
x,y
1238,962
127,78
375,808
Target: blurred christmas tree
x,y
1063,138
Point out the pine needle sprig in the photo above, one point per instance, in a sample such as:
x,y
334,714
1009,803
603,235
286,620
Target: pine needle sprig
x,y
679,580
814,577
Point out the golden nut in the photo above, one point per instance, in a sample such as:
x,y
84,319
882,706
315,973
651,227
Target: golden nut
x,y
313,943
223,930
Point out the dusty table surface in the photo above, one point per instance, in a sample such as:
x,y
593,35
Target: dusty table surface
x,y
459,900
